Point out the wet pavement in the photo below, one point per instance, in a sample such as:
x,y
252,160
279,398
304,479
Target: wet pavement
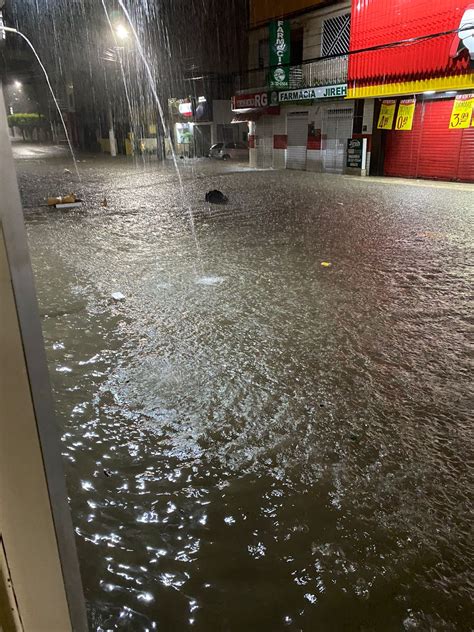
x,y
255,441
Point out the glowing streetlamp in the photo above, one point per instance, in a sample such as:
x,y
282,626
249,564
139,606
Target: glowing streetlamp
x,y
121,32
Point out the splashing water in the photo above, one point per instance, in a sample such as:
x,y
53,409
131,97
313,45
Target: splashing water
x,y
12,30
122,71
165,127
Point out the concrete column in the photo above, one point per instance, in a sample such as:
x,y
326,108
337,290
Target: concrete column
x,y
37,537
112,141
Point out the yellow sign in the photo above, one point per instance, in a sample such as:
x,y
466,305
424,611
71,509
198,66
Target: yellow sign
x,y
387,114
462,111
406,112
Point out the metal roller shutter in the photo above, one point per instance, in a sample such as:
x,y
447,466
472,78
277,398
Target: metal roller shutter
x,y
297,128
402,149
264,142
431,149
466,156
337,129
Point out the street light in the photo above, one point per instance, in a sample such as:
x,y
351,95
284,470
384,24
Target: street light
x,y
121,32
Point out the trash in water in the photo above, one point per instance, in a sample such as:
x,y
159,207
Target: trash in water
x,y
104,202
67,171
216,197
65,201
118,296
210,280
326,264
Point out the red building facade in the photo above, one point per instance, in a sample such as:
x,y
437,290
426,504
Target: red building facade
x,y
431,62
416,52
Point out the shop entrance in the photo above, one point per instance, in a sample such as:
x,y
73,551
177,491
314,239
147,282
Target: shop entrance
x,y
337,129
264,143
430,149
297,128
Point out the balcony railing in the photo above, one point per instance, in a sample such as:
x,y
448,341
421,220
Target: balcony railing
x,y
321,72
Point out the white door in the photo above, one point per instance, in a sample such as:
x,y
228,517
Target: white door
x,y
337,129
297,128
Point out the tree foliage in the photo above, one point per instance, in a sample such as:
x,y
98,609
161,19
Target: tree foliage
x,y
29,124
27,120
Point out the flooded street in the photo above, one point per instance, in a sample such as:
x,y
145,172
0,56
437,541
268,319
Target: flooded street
x,y
253,440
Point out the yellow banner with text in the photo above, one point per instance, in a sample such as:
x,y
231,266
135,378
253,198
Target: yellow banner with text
x,y
462,111
387,114
406,112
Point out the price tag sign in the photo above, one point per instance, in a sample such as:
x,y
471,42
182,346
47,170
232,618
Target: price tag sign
x,y
387,114
406,112
462,111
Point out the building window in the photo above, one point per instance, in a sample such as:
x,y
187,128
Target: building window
x,y
296,50
263,53
336,34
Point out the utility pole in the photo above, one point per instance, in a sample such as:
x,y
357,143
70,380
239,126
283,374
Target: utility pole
x,y
112,141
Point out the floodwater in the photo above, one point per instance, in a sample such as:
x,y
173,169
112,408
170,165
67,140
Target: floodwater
x,y
254,441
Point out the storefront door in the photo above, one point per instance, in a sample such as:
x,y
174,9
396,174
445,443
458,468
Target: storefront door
x,y
297,128
264,142
431,149
337,129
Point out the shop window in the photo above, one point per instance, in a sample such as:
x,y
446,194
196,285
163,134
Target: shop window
x,y
336,35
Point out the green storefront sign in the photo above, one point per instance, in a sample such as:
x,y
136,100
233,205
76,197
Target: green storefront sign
x,y
280,46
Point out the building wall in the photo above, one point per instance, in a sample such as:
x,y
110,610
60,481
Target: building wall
x,y
279,129
276,128
265,10
311,22
313,27
271,131
255,37
440,63
222,112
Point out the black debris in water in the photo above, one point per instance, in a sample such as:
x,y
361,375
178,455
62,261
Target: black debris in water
x,y
216,197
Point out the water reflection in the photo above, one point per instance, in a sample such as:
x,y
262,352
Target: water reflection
x,y
273,444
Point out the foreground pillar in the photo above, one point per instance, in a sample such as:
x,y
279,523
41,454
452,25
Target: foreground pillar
x,y
40,584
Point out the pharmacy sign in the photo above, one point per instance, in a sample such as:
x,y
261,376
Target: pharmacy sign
x,y
280,45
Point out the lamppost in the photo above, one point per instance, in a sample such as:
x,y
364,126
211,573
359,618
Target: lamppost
x,y
120,34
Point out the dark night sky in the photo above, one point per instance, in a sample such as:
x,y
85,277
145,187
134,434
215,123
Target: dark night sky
x,y
181,38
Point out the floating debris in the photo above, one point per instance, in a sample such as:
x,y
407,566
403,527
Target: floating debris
x,y
65,201
216,197
210,280
118,296
326,264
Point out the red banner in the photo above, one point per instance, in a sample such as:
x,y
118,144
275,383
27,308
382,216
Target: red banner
x,y
256,100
